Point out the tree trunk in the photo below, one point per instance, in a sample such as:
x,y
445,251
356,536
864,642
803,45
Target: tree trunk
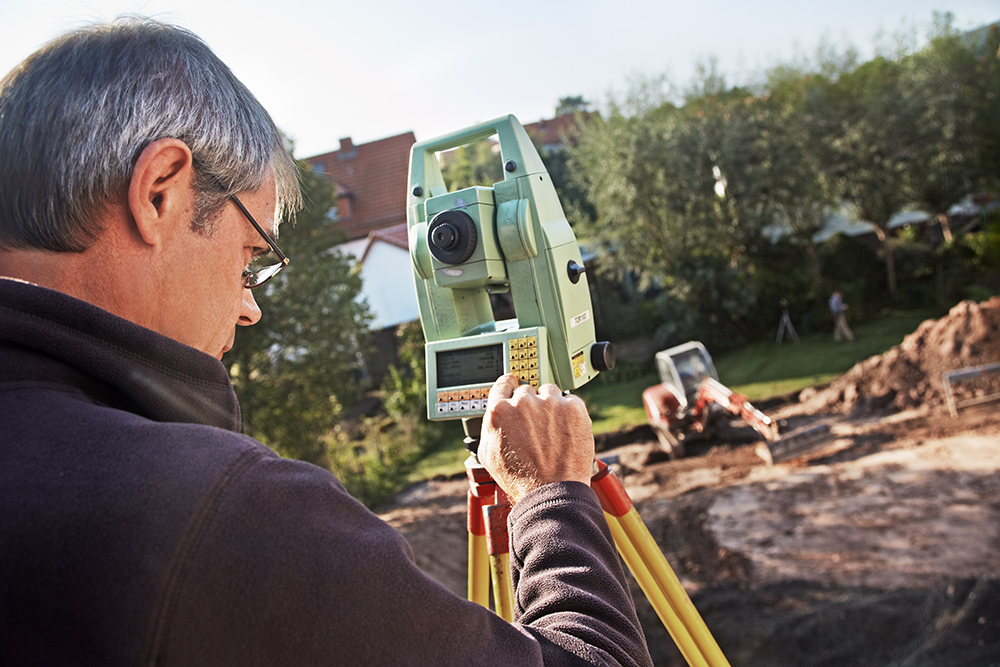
x,y
890,260
945,226
816,271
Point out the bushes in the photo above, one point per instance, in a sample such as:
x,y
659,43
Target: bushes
x,y
374,459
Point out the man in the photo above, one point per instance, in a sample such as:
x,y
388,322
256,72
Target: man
x,y
139,180
838,309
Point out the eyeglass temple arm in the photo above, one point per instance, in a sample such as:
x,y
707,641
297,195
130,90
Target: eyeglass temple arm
x,y
267,237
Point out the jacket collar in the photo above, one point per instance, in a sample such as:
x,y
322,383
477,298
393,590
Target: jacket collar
x,y
116,361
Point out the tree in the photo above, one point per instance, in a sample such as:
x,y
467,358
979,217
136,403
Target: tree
x,y
654,180
985,125
941,83
572,104
296,369
862,135
803,193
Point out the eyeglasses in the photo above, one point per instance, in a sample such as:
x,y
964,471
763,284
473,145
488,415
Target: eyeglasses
x,y
255,277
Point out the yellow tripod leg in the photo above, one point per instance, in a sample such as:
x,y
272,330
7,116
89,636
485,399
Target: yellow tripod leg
x,y
661,605
503,587
653,565
654,560
479,571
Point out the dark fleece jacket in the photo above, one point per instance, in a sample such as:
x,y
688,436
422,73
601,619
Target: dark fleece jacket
x,y
139,527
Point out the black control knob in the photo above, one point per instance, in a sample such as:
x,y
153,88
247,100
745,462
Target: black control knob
x,y
574,271
602,356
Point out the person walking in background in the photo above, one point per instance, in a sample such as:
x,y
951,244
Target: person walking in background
x,y
838,308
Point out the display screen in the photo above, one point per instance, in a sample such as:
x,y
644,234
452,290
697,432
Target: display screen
x,y
471,365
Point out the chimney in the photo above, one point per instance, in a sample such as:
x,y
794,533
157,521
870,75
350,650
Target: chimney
x,y
346,145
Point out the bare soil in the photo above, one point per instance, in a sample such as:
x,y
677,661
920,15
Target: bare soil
x,y
882,547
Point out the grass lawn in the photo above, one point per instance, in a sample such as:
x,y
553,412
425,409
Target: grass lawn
x,y
763,369
759,371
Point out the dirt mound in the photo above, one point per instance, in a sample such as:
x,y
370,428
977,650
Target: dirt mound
x,y
910,374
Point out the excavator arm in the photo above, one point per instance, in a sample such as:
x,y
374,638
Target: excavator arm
x,y
713,391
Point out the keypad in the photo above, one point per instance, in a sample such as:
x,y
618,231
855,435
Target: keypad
x,y
524,359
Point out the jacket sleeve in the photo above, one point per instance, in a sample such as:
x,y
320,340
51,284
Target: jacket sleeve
x,y
569,584
282,566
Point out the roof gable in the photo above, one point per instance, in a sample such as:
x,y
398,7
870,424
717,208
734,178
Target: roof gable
x,y
371,182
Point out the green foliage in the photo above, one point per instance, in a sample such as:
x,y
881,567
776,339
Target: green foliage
x,y
571,104
941,83
296,369
985,244
375,463
782,276
572,197
405,387
709,300
621,310
477,163
863,140
987,101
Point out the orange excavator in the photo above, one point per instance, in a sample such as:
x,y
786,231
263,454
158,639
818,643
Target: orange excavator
x,y
690,396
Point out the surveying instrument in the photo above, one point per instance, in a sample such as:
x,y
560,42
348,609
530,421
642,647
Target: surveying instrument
x,y
785,324
513,238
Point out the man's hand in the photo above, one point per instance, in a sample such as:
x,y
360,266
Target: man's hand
x,y
535,437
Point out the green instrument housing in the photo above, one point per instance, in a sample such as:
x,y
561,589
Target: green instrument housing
x,y
512,237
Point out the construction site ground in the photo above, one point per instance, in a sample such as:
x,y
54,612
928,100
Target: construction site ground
x,y
881,547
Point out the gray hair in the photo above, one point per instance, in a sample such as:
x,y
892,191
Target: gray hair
x,y
76,115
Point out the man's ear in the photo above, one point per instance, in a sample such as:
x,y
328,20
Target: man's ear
x,y
161,191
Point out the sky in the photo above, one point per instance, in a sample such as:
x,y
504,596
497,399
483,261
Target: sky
x,y
370,69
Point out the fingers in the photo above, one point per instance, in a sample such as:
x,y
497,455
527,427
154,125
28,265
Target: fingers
x,y
502,389
509,386
549,391
506,387
531,437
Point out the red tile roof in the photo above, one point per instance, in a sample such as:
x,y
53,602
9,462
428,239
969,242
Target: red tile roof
x,y
555,131
371,182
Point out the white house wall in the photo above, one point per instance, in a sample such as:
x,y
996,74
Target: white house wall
x,y
387,284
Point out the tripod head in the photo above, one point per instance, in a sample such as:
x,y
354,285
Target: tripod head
x,y
511,237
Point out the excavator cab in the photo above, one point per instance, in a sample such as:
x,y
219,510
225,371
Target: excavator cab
x,y
685,367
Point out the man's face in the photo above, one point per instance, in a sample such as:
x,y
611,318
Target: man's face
x,y
210,299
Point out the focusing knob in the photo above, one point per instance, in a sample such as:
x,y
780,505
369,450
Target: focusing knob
x,y
452,236
602,356
574,271
445,236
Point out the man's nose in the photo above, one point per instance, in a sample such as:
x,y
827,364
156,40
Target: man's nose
x,y
250,312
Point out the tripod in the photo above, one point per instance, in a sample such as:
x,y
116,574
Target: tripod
x,y
785,324
489,555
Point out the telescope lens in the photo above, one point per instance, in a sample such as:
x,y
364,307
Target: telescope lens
x,y
452,236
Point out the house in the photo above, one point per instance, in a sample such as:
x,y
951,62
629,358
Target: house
x,y
371,183
551,135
